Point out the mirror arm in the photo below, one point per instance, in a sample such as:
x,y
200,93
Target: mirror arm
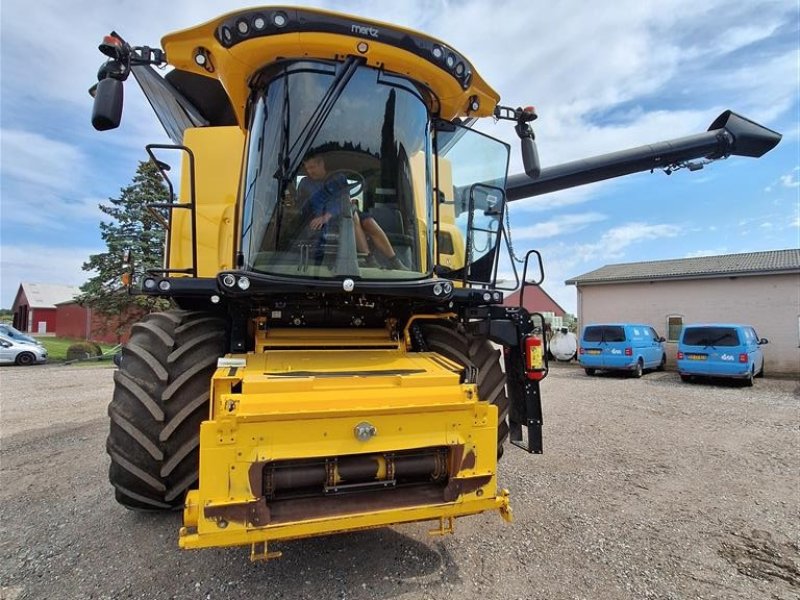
x,y
523,117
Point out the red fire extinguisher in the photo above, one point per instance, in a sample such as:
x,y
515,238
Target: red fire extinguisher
x,y
534,357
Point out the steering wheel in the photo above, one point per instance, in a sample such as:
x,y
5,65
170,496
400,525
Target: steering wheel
x,y
355,181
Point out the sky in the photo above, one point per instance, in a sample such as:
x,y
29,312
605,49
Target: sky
x,y
603,77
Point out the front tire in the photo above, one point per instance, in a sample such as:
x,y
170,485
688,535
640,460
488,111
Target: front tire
x,y
161,396
25,359
453,342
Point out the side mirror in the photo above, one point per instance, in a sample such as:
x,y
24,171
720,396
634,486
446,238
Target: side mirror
x,y
107,109
530,157
662,339
763,341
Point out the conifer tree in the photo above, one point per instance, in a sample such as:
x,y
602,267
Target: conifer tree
x,y
132,227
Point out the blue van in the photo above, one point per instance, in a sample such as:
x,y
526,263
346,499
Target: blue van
x,y
720,350
630,347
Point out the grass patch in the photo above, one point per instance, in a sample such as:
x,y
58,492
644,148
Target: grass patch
x,y
57,348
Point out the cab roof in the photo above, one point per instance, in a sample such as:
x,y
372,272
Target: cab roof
x,y
230,50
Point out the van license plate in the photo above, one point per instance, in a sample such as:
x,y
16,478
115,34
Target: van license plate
x,y
697,356
593,351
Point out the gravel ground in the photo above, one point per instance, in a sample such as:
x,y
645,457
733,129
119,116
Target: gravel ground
x,y
648,488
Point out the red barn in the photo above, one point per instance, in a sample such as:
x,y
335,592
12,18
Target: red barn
x,y
536,300
85,323
34,306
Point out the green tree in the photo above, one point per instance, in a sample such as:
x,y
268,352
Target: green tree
x,y
131,228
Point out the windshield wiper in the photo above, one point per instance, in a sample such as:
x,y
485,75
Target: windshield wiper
x,y
291,163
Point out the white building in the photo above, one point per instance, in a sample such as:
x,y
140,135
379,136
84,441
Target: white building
x,y
758,288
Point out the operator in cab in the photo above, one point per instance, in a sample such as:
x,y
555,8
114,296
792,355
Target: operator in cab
x,y
323,197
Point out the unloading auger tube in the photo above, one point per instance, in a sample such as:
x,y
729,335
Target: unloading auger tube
x,y
729,135
316,380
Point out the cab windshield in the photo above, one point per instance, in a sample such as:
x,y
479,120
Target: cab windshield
x,y
337,175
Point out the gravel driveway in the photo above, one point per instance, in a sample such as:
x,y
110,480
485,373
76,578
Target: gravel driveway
x,y
648,488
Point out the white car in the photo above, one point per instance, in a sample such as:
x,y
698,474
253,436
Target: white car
x,y
12,352
15,335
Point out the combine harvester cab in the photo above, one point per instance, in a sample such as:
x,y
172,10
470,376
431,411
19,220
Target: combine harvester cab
x,y
333,362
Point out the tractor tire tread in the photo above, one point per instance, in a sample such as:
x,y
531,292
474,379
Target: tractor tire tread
x,y
159,332
148,358
161,396
136,434
453,342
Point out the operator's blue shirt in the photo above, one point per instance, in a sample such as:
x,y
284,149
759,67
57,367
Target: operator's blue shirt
x,y
323,196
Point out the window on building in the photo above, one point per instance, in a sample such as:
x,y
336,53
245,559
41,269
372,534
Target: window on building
x,y
674,324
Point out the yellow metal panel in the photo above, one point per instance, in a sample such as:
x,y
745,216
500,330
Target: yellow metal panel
x,y
281,382
303,437
218,160
233,537
447,217
224,469
262,413
235,66
418,164
305,338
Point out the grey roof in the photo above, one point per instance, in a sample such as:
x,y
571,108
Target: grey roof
x,y
47,295
750,263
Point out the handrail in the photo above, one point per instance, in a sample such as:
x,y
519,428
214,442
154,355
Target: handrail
x,y
171,205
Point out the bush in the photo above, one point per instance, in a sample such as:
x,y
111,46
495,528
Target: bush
x,y
82,350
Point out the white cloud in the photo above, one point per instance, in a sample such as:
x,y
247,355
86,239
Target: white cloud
x,y
791,180
560,199
615,240
34,158
560,225
793,221
708,252
775,93
28,206
43,183
40,263
563,261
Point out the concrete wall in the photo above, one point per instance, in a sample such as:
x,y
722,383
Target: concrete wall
x,y
770,303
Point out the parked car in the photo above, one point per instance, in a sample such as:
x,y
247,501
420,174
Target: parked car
x,y
21,353
720,350
16,335
630,347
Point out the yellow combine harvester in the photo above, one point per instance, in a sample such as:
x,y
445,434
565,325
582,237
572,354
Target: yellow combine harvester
x,y
333,254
